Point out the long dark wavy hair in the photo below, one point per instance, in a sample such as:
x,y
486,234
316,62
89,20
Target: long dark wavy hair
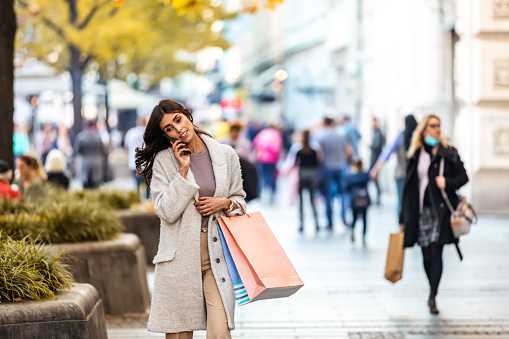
x,y
153,139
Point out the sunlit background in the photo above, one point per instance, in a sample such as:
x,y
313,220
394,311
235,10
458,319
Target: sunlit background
x,y
289,63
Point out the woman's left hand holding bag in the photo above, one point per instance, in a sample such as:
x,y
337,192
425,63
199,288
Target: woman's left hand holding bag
x,y
209,205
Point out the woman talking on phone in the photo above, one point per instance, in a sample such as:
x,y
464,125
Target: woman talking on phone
x,y
424,215
193,180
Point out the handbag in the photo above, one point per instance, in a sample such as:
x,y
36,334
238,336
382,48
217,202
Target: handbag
x,y
395,257
463,216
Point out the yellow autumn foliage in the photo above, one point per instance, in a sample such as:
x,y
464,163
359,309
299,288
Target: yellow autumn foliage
x,y
147,34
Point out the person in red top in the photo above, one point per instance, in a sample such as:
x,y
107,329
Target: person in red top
x,y
6,191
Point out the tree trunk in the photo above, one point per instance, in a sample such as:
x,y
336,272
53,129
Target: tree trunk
x,y
76,73
76,76
7,33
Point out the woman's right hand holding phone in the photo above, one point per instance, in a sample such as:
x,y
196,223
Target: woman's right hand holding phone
x,y
183,160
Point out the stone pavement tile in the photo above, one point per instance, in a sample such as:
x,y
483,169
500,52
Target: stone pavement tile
x,y
345,293
455,336
125,333
376,335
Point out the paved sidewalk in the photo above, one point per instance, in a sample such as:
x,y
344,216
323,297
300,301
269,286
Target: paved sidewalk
x,y
345,295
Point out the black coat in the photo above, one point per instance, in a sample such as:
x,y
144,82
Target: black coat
x,y
249,179
455,177
59,179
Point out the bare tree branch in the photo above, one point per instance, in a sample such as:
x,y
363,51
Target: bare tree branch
x,y
91,14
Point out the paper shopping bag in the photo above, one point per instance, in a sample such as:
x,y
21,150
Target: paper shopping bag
x,y
395,258
238,286
263,266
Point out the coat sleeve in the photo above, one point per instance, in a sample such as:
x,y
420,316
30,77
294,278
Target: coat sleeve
x,y
236,192
457,178
404,196
171,192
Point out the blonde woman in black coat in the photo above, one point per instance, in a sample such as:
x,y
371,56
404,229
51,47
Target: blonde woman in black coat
x,y
424,215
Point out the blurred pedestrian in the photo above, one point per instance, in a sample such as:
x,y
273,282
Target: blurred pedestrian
x,y
6,191
376,147
133,140
221,129
253,128
55,167
32,181
45,141
247,159
268,145
20,140
291,172
240,144
353,135
102,129
194,173
400,145
336,151
357,186
63,143
424,217
287,135
307,160
90,146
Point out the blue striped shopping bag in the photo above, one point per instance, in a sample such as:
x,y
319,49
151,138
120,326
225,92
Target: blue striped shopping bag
x,y
238,286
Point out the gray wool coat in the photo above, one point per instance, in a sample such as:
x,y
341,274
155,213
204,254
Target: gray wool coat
x,y
177,300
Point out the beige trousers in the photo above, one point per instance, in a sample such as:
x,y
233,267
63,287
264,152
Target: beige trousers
x,y
217,324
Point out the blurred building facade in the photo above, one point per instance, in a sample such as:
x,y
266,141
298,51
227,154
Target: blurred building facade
x,y
482,124
317,44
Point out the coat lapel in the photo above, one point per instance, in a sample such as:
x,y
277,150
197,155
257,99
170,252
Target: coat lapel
x,y
219,165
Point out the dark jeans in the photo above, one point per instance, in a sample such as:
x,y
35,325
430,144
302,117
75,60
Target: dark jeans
x,y
306,179
400,184
335,185
269,176
361,211
432,258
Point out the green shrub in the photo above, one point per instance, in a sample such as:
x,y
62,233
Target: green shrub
x,y
29,271
61,217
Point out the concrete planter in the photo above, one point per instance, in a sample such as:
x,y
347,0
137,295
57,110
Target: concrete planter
x,y
145,225
77,313
116,268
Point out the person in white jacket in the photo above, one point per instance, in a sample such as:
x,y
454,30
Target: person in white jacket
x,y
194,180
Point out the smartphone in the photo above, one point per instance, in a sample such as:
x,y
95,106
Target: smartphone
x,y
182,146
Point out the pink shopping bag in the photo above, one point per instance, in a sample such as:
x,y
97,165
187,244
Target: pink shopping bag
x,y
263,266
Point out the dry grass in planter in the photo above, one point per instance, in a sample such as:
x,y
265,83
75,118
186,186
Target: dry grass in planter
x,y
29,271
117,199
62,217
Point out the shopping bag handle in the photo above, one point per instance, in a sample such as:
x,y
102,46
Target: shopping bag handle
x,y
243,212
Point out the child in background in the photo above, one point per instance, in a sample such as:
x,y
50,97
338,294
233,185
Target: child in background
x,y
357,186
